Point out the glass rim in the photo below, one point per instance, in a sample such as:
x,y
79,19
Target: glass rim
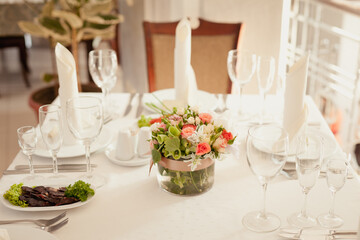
x,y
57,108
25,127
96,52
284,136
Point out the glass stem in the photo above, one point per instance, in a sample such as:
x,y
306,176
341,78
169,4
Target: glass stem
x,y
87,154
331,211
31,166
303,210
55,165
240,100
263,211
105,92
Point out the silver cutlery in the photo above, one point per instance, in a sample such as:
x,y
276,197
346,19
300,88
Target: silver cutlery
x,y
295,233
139,109
39,222
68,166
55,227
43,170
128,107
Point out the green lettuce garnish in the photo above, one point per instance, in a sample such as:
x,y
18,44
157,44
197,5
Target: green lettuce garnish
x,y
13,194
79,190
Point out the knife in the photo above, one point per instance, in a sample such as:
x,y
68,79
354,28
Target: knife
x,y
44,170
69,166
139,110
128,108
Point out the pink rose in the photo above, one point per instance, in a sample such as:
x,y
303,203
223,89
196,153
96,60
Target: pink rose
x,y
205,117
188,130
202,148
220,144
163,126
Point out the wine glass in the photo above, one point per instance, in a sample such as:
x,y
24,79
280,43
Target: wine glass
x,y
50,122
336,174
85,120
265,71
241,66
103,67
27,140
267,149
309,155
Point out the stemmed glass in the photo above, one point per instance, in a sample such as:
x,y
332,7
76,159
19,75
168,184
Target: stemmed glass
x,y
309,155
265,72
50,123
267,149
336,173
241,66
103,66
85,120
27,140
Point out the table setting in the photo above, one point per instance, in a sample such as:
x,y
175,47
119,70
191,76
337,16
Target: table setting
x,y
181,163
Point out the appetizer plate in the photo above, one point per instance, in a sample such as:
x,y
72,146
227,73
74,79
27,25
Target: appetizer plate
x,y
206,100
7,204
18,232
136,161
67,151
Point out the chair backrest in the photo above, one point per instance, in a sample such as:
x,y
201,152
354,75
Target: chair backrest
x,y
210,44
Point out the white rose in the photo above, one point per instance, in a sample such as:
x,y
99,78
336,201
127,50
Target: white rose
x,y
209,128
191,120
207,140
195,109
180,111
154,127
197,120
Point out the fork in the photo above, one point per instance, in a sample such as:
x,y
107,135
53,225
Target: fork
x,y
39,222
55,227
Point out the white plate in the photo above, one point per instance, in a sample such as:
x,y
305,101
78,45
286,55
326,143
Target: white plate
x,y
67,151
136,161
56,183
330,146
206,100
17,232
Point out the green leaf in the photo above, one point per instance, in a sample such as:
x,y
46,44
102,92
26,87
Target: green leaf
x,y
232,140
144,121
176,154
52,24
172,144
156,156
161,138
173,131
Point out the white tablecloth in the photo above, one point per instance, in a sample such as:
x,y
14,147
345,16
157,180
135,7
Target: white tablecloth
x,y
132,206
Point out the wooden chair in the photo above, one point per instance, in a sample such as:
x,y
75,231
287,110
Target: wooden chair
x,y
210,44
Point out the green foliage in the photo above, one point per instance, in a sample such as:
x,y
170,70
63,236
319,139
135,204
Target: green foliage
x,y
79,190
156,156
13,194
144,121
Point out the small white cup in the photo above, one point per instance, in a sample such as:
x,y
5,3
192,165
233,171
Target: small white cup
x,y
143,144
125,145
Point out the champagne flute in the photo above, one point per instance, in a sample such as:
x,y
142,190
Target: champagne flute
x,y
50,122
265,75
267,149
85,120
27,140
103,66
336,174
241,67
309,154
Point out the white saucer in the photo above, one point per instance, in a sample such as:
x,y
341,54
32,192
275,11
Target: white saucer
x,y
136,161
68,151
206,100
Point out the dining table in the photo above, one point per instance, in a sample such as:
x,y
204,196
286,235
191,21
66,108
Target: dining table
x,y
131,205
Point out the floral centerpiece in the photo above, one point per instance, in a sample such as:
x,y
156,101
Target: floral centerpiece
x,y
184,145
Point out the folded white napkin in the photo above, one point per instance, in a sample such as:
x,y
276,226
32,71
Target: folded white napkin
x,y
184,76
295,110
68,87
